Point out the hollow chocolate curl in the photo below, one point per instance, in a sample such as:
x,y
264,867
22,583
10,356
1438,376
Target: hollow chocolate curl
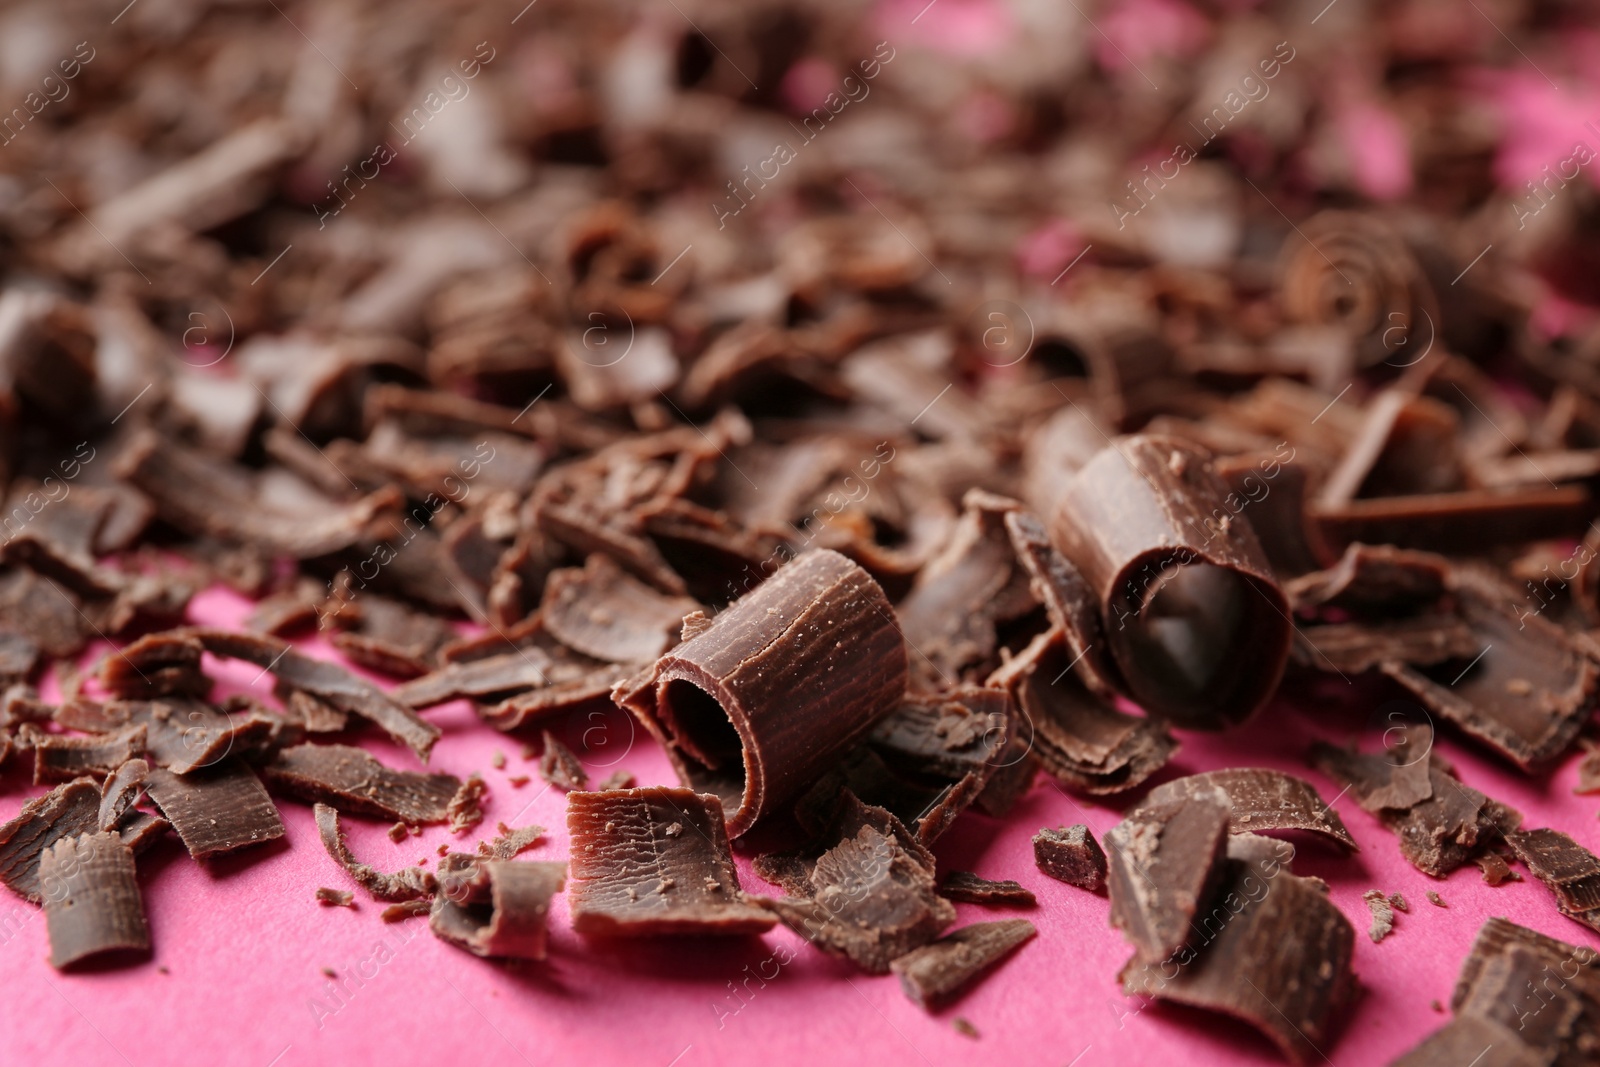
x,y
495,907
1197,625
756,706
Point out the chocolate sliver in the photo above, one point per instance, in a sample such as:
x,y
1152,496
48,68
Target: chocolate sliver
x,y
495,908
68,810
655,861
1468,1039
560,767
465,809
604,612
1373,578
392,638
785,680
92,906
121,791
1377,780
46,614
1569,870
589,690
350,779
934,975
1467,522
1163,862
217,810
1068,601
58,758
511,843
156,665
1263,799
408,884
1354,647
184,734
1505,980
335,898
964,887
325,681
504,673
315,716
1071,855
1280,962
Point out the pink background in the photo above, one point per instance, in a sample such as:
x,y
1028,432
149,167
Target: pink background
x,y
245,942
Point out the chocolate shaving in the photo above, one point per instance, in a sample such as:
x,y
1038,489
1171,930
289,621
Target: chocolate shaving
x,y
934,975
1354,647
164,664
964,887
335,898
1165,862
406,909
604,612
61,759
407,884
1262,799
218,810
1569,870
1071,855
1496,871
1373,578
388,636
495,908
1382,915
655,861
121,791
465,809
508,672
511,843
41,611
66,811
559,767
91,899
351,780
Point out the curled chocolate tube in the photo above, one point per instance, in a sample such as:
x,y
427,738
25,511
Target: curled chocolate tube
x,y
756,705
1196,625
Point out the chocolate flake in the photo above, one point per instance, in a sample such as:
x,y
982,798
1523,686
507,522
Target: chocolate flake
x,y
495,908
407,884
1382,914
631,878
511,843
1263,799
352,780
1165,860
560,767
968,888
66,811
1569,870
617,780
465,809
936,974
335,898
57,758
1071,855
1496,871
217,810
1436,900
91,899
604,612
122,790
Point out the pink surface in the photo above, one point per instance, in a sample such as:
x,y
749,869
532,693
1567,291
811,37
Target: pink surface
x,y
244,943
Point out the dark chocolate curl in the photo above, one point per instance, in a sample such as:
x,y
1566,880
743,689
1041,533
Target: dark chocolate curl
x,y
758,705
1195,621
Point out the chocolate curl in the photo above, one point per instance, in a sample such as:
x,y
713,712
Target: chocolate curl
x,y
760,703
1354,271
1195,621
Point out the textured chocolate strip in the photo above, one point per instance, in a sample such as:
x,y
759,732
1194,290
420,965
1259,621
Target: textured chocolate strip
x,y
782,682
1528,693
60,759
1354,647
1373,578
1465,522
156,665
655,861
407,884
934,975
1570,871
218,810
1067,599
964,887
66,811
560,767
1071,855
591,690
1262,799
326,681
1165,861
183,734
1199,629
510,843
604,612
504,673
387,636
495,908
91,900
349,778
315,716
1520,973
1275,954
121,791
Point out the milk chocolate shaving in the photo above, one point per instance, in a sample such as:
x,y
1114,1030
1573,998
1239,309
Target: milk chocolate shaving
x,y
495,908
218,810
326,681
926,803
61,759
934,975
1569,870
408,884
964,887
183,734
525,668
511,843
604,612
655,861
1196,624
164,664
1354,647
786,679
465,809
1262,799
560,767
335,898
41,611
351,780
1165,861
589,690
91,900
1071,855
66,811
388,636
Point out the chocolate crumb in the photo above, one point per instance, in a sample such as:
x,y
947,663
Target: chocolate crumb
x,y
1399,902
335,898
517,781
1496,871
561,767
329,972
529,752
1382,915
1436,900
498,760
964,1028
465,809
1071,855
398,832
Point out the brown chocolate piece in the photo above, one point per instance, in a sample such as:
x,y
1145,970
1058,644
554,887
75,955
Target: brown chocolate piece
x,y
66,811
217,810
617,780
406,909
560,767
935,974
387,636
1569,870
1071,855
495,908
505,673
162,664
1354,647
926,803
510,843
604,612
592,689
465,809
1275,954
91,899
783,681
182,734
964,887
335,898
1262,799
1068,601
290,611
1496,871
1164,862
313,715
350,779
1467,522
407,884
18,656
43,612
655,861
1473,1040
122,789
57,758
1382,915
1198,628
1373,578
326,681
